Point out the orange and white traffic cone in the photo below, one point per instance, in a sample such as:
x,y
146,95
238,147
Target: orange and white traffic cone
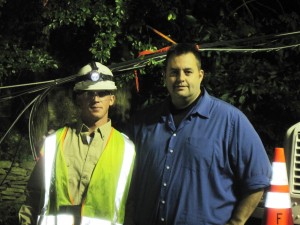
x,y
278,209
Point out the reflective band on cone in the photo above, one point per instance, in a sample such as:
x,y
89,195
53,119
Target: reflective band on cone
x,y
278,209
278,200
279,176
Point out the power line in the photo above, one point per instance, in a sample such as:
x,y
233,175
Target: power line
x,y
30,84
16,120
231,46
235,46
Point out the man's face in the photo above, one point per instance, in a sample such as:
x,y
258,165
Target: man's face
x,y
183,78
94,106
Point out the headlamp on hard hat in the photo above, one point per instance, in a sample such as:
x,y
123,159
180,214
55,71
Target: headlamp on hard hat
x,y
95,76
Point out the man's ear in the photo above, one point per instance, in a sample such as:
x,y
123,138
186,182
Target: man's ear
x,y
112,100
201,73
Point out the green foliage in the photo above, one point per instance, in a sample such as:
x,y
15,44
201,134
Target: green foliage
x,y
16,60
21,42
104,18
41,39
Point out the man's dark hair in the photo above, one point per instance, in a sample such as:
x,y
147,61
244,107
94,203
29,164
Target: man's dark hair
x,y
183,48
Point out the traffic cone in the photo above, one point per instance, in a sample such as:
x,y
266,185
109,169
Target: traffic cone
x,y
278,209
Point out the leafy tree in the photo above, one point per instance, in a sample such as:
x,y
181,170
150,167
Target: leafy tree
x,y
51,39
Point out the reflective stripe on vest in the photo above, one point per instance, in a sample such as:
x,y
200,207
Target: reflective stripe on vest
x,y
49,154
64,219
125,172
129,155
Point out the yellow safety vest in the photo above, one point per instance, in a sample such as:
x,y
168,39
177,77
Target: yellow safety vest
x,y
107,192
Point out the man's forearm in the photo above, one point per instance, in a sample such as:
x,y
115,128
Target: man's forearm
x,y
245,208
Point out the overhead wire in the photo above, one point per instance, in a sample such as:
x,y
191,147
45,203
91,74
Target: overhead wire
x,y
137,63
28,84
21,93
40,86
35,102
31,123
34,109
143,61
250,50
251,40
239,45
16,120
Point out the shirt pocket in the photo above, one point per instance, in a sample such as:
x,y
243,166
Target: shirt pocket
x,y
199,154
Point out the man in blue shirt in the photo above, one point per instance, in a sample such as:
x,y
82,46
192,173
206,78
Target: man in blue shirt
x,y
199,159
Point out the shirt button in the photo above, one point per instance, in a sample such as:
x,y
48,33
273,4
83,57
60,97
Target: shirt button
x,y
174,134
163,201
162,219
165,184
167,167
171,150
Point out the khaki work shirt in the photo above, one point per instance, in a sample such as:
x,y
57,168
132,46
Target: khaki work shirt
x,y
82,153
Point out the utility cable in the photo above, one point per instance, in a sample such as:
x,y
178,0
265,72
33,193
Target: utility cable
x,y
29,84
251,50
35,89
34,109
21,93
250,39
16,120
143,61
36,101
32,114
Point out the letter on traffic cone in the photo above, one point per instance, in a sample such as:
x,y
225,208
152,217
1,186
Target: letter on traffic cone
x,y
278,209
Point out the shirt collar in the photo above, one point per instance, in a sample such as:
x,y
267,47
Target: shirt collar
x,y
104,130
202,108
203,105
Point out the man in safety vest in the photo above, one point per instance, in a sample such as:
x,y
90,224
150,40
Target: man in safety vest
x,y
85,172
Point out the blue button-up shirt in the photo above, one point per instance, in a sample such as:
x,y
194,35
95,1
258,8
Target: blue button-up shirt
x,y
195,173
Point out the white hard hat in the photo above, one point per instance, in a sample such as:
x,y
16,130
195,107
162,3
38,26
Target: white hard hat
x,y
95,76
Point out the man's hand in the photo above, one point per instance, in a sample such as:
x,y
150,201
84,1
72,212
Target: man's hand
x,y
245,207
